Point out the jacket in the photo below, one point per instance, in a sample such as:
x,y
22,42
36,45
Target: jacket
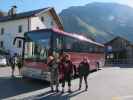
x,y
84,69
66,68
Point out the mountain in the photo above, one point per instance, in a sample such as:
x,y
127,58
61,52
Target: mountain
x,y
101,21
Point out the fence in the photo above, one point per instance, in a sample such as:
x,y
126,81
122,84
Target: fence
x,y
119,61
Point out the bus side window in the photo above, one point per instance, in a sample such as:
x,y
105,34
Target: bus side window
x,y
57,42
67,42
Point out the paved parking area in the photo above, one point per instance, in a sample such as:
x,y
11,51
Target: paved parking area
x,y
112,83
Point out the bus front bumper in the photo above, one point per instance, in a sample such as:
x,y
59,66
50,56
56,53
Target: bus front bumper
x,y
35,74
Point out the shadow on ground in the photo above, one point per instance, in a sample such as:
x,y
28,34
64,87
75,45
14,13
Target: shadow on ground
x,y
14,86
55,96
10,87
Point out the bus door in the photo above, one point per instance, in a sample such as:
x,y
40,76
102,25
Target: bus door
x,y
57,43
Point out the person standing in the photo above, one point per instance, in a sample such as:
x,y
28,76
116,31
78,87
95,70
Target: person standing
x,y
7,59
53,64
19,63
84,70
12,64
66,68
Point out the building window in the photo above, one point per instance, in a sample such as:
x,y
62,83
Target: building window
x,y
42,19
1,44
37,28
90,49
2,31
19,28
19,44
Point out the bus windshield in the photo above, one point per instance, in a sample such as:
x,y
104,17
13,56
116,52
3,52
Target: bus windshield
x,y
37,46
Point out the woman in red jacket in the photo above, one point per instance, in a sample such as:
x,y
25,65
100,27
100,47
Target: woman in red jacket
x,y
66,70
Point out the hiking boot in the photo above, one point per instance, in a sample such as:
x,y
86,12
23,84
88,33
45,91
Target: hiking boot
x,y
52,90
57,90
86,88
80,87
69,90
62,91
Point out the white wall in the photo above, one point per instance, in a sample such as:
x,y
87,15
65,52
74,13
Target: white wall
x,y
11,31
36,21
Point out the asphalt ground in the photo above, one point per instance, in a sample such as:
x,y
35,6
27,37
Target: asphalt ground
x,y
110,83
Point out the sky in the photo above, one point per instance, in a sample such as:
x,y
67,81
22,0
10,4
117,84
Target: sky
x,y
59,5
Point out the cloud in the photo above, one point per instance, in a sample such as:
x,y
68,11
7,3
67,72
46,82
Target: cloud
x,y
127,2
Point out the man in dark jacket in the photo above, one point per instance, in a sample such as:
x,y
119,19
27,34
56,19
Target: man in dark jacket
x,y
66,68
84,70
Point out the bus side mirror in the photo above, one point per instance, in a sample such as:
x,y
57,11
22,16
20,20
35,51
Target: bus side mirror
x,y
14,41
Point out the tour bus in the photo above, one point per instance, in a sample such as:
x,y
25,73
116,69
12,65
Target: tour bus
x,y
38,44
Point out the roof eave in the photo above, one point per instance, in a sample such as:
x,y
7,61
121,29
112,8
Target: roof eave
x,y
44,11
15,19
57,18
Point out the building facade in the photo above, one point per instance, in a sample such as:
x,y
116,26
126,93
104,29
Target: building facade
x,y
119,49
15,25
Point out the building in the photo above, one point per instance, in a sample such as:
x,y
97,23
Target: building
x,y
119,49
16,24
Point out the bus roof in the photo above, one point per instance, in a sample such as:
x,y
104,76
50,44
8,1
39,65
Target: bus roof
x,y
73,35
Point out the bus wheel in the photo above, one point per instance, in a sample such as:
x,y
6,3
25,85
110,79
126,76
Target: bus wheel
x,y
97,66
